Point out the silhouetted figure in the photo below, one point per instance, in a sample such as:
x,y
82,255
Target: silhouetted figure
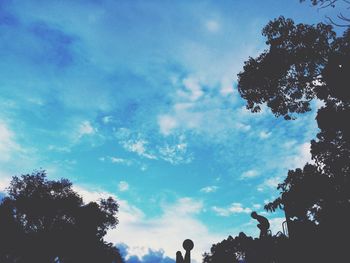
x,y
188,246
263,225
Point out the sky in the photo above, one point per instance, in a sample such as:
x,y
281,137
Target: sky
x,y
138,100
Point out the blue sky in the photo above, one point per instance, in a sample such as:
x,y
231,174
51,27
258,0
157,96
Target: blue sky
x,y
138,99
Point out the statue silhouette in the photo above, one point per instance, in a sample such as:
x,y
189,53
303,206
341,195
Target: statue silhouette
x,y
263,225
188,246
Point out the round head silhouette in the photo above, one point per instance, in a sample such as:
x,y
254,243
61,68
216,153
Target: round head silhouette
x,y
188,244
254,214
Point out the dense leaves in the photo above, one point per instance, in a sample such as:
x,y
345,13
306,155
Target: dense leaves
x,y
308,62
246,249
43,220
285,76
303,63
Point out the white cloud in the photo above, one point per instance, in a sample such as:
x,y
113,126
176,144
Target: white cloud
x,y
209,189
166,124
176,153
212,25
270,184
264,135
138,146
256,206
242,126
234,208
192,85
123,186
176,223
107,119
63,149
92,195
37,101
8,146
226,87
120,160
289,144
5,180
85,128
250,174
300,158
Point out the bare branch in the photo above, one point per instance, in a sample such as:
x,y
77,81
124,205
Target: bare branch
x,y
336,24
344,18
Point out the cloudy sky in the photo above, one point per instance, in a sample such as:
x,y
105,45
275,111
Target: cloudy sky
x,y
138,100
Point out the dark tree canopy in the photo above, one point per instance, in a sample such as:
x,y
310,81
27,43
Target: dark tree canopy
x,y
287,75
243,248
306,62
43,221
303,63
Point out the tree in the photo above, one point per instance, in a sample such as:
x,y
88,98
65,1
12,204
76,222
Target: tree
x,y
43,220
306,62
246,249
303,63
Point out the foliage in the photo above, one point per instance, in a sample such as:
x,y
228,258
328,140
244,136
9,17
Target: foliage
x,y
246,249
303,63
306,62
43,221
285,77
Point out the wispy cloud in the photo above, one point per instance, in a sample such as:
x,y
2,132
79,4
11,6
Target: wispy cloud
x,y
234,208
107,119
212,25
123,186
250,174
256,206
209,189
152,256
301,157
85,128
8,144
193,89
177,222
5,180
175,151
264,135
139,147
133,142
116,160
270,183
166,124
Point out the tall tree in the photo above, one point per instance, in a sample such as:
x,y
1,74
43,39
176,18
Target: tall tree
x,y
43,220
306,62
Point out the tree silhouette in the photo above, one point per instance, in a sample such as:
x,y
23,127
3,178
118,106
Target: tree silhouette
x,y
303,63
46,221
243,248
306,62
